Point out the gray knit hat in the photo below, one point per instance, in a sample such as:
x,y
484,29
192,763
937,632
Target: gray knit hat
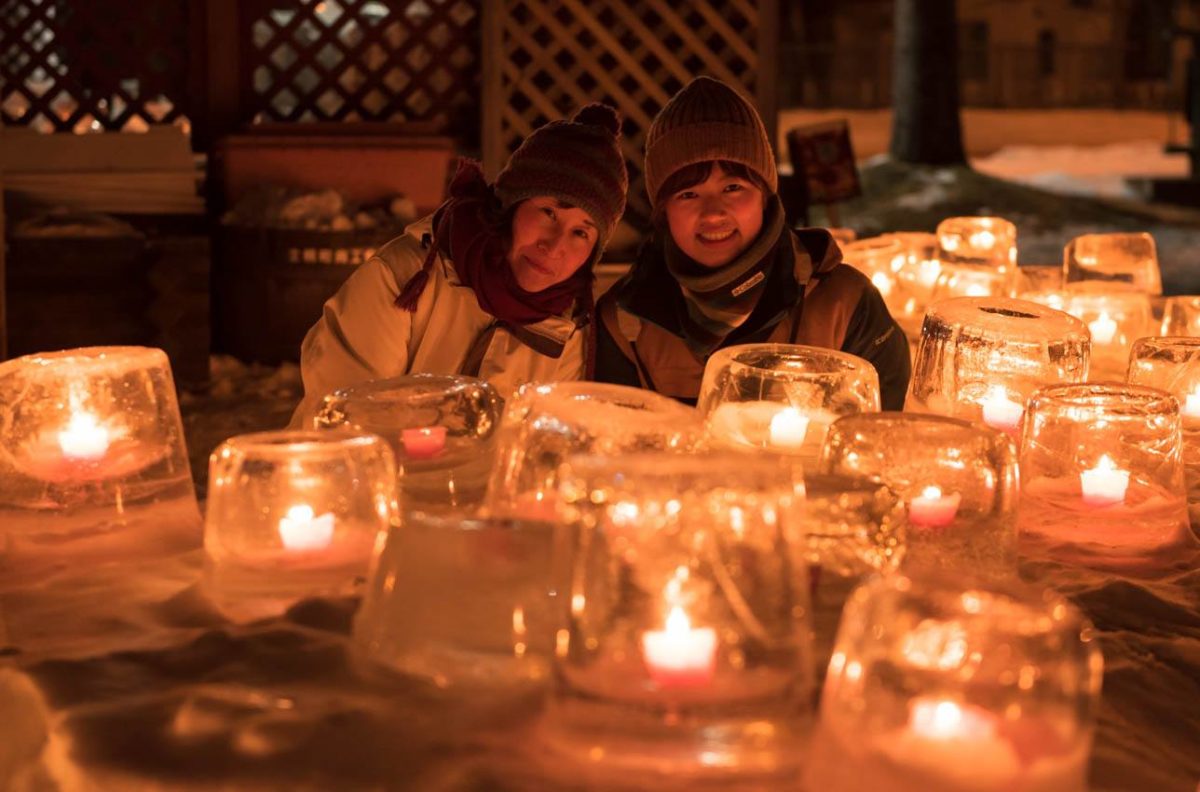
x,y
707,120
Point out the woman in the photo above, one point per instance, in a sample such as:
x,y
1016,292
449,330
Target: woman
x,y
496,284
722,268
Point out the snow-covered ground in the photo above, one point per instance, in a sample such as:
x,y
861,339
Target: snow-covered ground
x,y
1084,170
171,694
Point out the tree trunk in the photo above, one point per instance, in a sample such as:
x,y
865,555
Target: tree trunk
x,y
925,123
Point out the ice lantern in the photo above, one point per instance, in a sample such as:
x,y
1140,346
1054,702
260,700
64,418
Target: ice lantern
x,y
903,267
935,687
983,357
1102,475
461,601
958,481
1114,320
686,649
880,259
1173,365
442,430
978,258
1181,316
782,397
1119,261
92,446
293,514
543,424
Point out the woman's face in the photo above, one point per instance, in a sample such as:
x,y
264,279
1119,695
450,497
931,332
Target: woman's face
x,y
550,241
712,222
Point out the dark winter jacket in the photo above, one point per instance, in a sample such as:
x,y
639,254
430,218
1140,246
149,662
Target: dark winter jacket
x,y
819,301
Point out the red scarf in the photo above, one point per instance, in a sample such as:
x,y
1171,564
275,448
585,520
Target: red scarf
x,y
465,229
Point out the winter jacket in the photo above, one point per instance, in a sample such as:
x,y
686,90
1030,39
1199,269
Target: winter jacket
x,y
363,336
819,302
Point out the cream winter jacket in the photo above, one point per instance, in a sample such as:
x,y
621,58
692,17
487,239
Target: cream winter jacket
x,y
362,335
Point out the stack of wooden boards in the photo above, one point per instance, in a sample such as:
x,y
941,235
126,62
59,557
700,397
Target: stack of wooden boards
x,y
79,276
149,173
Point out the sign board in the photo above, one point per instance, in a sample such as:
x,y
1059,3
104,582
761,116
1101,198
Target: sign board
x,y
822,153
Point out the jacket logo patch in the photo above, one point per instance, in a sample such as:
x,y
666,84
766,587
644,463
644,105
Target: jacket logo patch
x,y
749,283
885,336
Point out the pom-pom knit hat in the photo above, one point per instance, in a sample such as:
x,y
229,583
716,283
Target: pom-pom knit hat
x,y
707,120
578,162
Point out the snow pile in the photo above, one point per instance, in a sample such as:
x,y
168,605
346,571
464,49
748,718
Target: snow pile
x,y
1075,170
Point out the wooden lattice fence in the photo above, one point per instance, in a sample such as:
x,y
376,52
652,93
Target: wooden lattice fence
x,y
551,56
362,60
88,66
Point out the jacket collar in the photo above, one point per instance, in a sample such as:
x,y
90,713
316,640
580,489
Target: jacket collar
x,y
650,293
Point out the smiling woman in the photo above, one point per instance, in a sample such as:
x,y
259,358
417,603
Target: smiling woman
x,y
496,284
551,240
722,267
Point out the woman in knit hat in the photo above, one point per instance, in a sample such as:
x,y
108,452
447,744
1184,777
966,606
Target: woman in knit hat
x,y
495,284
722,268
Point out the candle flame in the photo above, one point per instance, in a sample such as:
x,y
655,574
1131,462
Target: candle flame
x,y
931,492
678,622
1103,328
1105,463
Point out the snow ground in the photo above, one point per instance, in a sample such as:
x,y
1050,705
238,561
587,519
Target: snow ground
x,y
199,703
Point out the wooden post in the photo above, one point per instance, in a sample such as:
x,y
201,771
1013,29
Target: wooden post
x,y
213,78
767,80
494,99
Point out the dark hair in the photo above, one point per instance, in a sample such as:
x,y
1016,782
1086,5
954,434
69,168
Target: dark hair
x,y
698,172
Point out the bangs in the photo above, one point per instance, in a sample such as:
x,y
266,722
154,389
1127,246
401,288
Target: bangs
x,y
698,172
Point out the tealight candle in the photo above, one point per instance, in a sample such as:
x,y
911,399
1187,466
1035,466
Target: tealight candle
x,y
788,429
680,655
302,532
999,411
1103,328
425,442
942,719
84,438
931,509
1105,484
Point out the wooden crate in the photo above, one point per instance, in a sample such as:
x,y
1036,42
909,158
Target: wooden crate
x,y
274,282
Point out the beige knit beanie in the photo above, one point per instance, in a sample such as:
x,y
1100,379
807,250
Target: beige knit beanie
x,y
707,120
